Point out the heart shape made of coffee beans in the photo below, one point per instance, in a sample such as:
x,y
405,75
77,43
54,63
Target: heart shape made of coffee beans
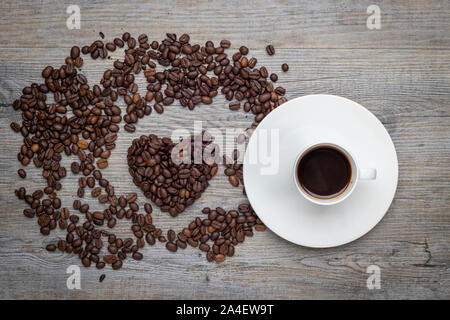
x,y
172,186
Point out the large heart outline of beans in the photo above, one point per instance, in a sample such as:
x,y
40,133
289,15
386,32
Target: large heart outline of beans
x,y
48,133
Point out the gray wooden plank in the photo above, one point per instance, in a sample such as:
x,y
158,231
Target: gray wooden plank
x,y
410,244
263,267
391,83
288,24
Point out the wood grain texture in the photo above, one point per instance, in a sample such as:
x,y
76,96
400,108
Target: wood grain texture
x,y
400,73
285,23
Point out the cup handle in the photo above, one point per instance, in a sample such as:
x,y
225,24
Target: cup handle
x,y
368,174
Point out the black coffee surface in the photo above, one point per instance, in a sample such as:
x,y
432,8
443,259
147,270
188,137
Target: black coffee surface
x,y
324,172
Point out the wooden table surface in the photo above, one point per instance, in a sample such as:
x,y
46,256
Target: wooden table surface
x,y
400,73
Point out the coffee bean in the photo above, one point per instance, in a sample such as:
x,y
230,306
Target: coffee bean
x,y
220,258
243,50
264,97
127,243
102,163
131,197
86,262
50,247
270,50
74,53
158,108
206,99
284,67
181,244
148,208
118,42
230,172
129,127
102,277
110,46
225,43
171,246
171,235
109,258
22,173
137,256
150,239
244,62
234,181
260,227
280,91
252,63
62,245
263,71
235,105
83,144
117,265
274,78
47,72
96,192
240,236
126,36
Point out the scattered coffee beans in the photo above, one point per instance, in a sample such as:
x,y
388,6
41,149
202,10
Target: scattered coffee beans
x,y
84,122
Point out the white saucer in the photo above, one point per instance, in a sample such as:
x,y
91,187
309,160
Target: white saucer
x,y
301,122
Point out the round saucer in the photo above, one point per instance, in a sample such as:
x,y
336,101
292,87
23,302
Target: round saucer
x,y
270,185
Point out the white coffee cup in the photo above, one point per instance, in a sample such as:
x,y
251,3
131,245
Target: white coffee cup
x,y
356,175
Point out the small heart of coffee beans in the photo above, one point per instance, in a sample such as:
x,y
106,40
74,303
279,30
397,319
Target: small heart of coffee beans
x,y
172,182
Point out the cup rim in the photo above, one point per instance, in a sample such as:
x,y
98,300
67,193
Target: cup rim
x,y
348,189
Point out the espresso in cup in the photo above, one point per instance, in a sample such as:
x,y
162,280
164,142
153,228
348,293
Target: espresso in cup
x,y
327,173
324,172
